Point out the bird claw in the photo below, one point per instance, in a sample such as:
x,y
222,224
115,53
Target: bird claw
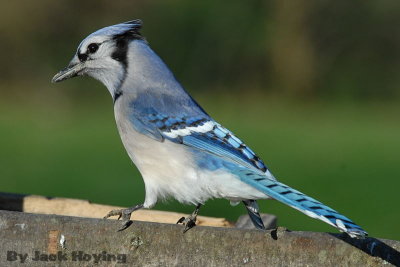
x,y
124,214
188,222
181,220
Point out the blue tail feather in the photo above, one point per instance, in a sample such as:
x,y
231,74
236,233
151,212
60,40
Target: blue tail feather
x,y
301,202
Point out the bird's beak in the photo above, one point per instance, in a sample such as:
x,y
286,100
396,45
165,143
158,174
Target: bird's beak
x,y
74,69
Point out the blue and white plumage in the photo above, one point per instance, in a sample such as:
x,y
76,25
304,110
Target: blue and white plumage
x,y
180,151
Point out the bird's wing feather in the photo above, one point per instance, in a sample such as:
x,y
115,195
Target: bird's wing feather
x,y
199,132
146,129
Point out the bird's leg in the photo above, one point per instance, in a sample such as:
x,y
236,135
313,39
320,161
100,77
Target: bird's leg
x,y
125,214
252,209
190,221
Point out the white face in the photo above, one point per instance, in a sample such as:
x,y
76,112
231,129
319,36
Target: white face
x,y
96,54
103,55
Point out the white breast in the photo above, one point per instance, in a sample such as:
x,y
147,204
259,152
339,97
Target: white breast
x,y
168,169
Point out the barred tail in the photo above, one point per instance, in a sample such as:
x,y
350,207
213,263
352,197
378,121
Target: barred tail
x,y
303,203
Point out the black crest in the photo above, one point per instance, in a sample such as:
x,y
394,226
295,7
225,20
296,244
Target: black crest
x,y
132,31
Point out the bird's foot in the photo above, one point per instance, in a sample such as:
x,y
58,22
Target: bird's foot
x,y
190,221
124,215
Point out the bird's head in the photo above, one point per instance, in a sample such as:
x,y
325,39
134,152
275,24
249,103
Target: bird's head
x,y
103,54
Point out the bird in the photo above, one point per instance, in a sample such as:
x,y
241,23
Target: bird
x,y
180,151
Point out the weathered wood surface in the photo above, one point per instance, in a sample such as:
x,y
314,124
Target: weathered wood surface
x,y
83,208
74,241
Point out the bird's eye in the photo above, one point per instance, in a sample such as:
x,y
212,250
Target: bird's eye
x,y
92,48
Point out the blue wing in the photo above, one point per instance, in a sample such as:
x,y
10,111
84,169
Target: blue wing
x,y
182,120
201,133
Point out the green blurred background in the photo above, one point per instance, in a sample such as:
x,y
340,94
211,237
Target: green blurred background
x,y
312,86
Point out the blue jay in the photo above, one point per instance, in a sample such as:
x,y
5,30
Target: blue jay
x,y
180,151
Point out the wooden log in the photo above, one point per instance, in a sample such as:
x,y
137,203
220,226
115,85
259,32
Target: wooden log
x,y
52,240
